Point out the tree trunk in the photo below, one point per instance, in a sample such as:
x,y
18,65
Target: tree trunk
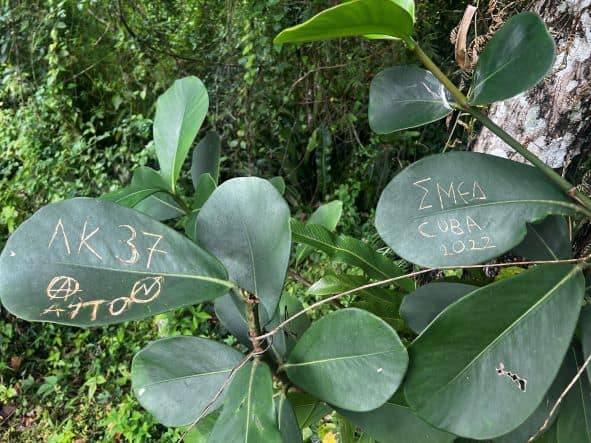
x,y
553,119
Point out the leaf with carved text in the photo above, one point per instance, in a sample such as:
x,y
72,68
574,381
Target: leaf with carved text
x,y
89,262
373,18
482,353
176,378
464,208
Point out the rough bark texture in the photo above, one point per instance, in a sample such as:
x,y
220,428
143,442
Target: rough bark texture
x,y
554,119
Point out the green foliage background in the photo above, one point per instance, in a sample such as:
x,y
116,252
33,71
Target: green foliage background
x,y
78,84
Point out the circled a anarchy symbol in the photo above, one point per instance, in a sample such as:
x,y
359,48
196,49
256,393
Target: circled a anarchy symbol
x,y
62,287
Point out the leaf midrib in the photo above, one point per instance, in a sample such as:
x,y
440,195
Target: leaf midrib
x,y
330,360
507,330
184,377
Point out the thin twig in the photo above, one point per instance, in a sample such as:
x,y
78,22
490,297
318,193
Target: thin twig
x,y
412,274
297,277
564,393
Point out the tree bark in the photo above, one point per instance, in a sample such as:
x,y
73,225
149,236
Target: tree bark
x,y
553,119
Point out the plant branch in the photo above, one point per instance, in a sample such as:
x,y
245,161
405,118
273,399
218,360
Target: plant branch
x,y
410,275
463,104
564,393
252,320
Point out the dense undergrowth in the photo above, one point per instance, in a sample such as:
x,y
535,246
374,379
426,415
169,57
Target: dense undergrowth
x,y
78,82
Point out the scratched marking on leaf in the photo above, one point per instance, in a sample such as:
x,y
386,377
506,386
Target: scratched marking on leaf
x,y
521,383
62,287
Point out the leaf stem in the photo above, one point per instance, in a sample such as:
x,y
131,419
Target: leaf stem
x,y
463,104
252,320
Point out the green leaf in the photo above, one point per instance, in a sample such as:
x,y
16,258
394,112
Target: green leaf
x,y
353,252
89,262
341,349
279,184
423,305
205,187
574,421
463,208
586,333
406,97
379,301
518,56
327,216
130,195
473,372
547,240
232,316
393,423
160,206
206,158
393,18
149,178
200,433
176,378
180,111
245,223
248,414
288,422
535,421
308,409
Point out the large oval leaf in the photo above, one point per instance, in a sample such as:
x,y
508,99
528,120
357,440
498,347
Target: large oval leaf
x,y
464,208
405,97
245,223
341,349
180,111
176,378
518,56
477,371
393,423
91,262
423,305
376,18
248,414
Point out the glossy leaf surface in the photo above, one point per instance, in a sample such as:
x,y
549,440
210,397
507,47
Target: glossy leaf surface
x,y
464,208
348,250
308,409
547,240
248,414
393,423
180,111
287,420
206,158
232,316
518,56
535,421
91,262
419,308
327,216
392,18
176,378
406,97
356,345
475,358
574,421
245,223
